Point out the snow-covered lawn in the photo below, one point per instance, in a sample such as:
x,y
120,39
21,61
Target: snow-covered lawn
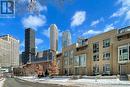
x,y
80,82
2,81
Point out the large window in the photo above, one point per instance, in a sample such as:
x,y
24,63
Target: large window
x,y
106,43
106,56
123,53
96,57
95,47
80,60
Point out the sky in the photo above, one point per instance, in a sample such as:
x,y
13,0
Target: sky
x,y
83,18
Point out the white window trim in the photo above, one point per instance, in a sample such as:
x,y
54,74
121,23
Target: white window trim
x,y
119,53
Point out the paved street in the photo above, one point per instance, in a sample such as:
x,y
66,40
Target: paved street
x,y
13,82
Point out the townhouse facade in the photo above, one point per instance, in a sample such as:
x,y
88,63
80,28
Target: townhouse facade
x,y
104,54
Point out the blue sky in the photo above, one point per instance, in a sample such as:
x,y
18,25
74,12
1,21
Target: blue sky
x,y
84,18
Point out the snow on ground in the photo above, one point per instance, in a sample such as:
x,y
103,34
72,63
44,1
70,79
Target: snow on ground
x,y
80,82
2,81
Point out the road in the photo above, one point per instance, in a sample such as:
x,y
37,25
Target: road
x,y
14,82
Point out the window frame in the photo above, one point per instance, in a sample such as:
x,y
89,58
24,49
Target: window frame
x,y
95,47
97,57
120,49
106,43
105,56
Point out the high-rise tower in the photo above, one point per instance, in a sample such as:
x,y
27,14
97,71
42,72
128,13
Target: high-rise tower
x,y
29,45
66,39
53,37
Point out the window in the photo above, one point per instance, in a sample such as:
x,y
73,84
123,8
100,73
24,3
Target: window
x,y
106,43
65,62
76,61
65,54
95,47
70,61
106,69
82,60
96,57
123,53
106,56
96,69
71,53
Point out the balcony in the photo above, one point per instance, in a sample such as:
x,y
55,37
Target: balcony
x,y
124,30
81,48
123,33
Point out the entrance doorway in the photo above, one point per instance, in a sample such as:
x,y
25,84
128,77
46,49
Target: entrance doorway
x,y
123,69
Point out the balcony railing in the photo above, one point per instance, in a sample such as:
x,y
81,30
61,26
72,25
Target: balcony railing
x,y
123,30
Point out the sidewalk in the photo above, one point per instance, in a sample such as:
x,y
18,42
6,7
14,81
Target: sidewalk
x,y
80,82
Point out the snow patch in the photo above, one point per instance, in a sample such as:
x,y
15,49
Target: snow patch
x,y
78,82
2,82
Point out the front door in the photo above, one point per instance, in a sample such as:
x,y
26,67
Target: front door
x,y
123,69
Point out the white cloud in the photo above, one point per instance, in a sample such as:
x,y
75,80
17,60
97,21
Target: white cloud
x,y
34,21
46,32
108,27
38,41
119,12
127,16
95,32
124,2
91,32
94,23
123,11
78,18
